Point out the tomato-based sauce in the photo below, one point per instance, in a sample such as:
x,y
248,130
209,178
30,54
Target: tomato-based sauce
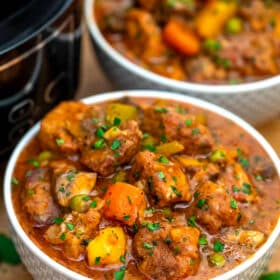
x,y
143,188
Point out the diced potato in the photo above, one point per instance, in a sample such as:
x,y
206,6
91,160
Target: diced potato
x,y
170,148
72,183
251,238
112,133
211,20
122,111
107,247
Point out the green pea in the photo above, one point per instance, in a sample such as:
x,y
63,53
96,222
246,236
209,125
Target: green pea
x,y
45,155
217,259
212,45
80,203
234,25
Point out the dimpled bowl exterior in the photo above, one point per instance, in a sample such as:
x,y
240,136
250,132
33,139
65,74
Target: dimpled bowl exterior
x,y
256,102
42,267
42,271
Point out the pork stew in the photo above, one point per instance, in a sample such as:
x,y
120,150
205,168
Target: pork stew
x,y
141,188
211,42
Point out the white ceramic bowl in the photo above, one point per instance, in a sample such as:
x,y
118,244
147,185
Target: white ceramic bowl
x,y
43,267
256,102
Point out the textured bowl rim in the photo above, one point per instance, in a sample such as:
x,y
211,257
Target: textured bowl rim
x,y
167,82
136,93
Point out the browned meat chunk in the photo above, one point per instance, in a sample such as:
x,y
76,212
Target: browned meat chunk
x,y
196,138
138,23
258,15
118,146
202,70
161,177
238,183
185,245
254,57
110,14
142,30
72,229
199,171
149,5
167,253
185,128
38,201
215,208
179,6
59,126
264,169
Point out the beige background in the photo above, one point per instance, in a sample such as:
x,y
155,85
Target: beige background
x,y
93,81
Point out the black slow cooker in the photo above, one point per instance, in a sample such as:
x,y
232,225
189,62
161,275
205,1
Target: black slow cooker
x,y
39,62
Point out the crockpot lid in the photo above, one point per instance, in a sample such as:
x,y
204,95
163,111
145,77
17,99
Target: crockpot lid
x,y
22,19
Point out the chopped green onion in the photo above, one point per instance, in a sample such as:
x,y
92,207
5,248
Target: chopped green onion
x,y
59,141
188,122
233,204
202,240
153,227
99,144
119,275
97,260
163,159
218,246
117,121
192,221
58,220
70,226
99,132
148,245
116,144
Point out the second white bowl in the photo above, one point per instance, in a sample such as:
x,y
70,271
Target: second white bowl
x,y
256,102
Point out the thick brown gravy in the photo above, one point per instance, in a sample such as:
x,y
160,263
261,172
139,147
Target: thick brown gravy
x,y
261,215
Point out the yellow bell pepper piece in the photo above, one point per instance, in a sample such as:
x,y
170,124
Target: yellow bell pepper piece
x,y
122,111
107,247
170,148
187,161
213,17
277,26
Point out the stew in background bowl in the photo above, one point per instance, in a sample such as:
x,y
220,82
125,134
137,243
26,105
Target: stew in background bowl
x,y
210,42
192,193
256,102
